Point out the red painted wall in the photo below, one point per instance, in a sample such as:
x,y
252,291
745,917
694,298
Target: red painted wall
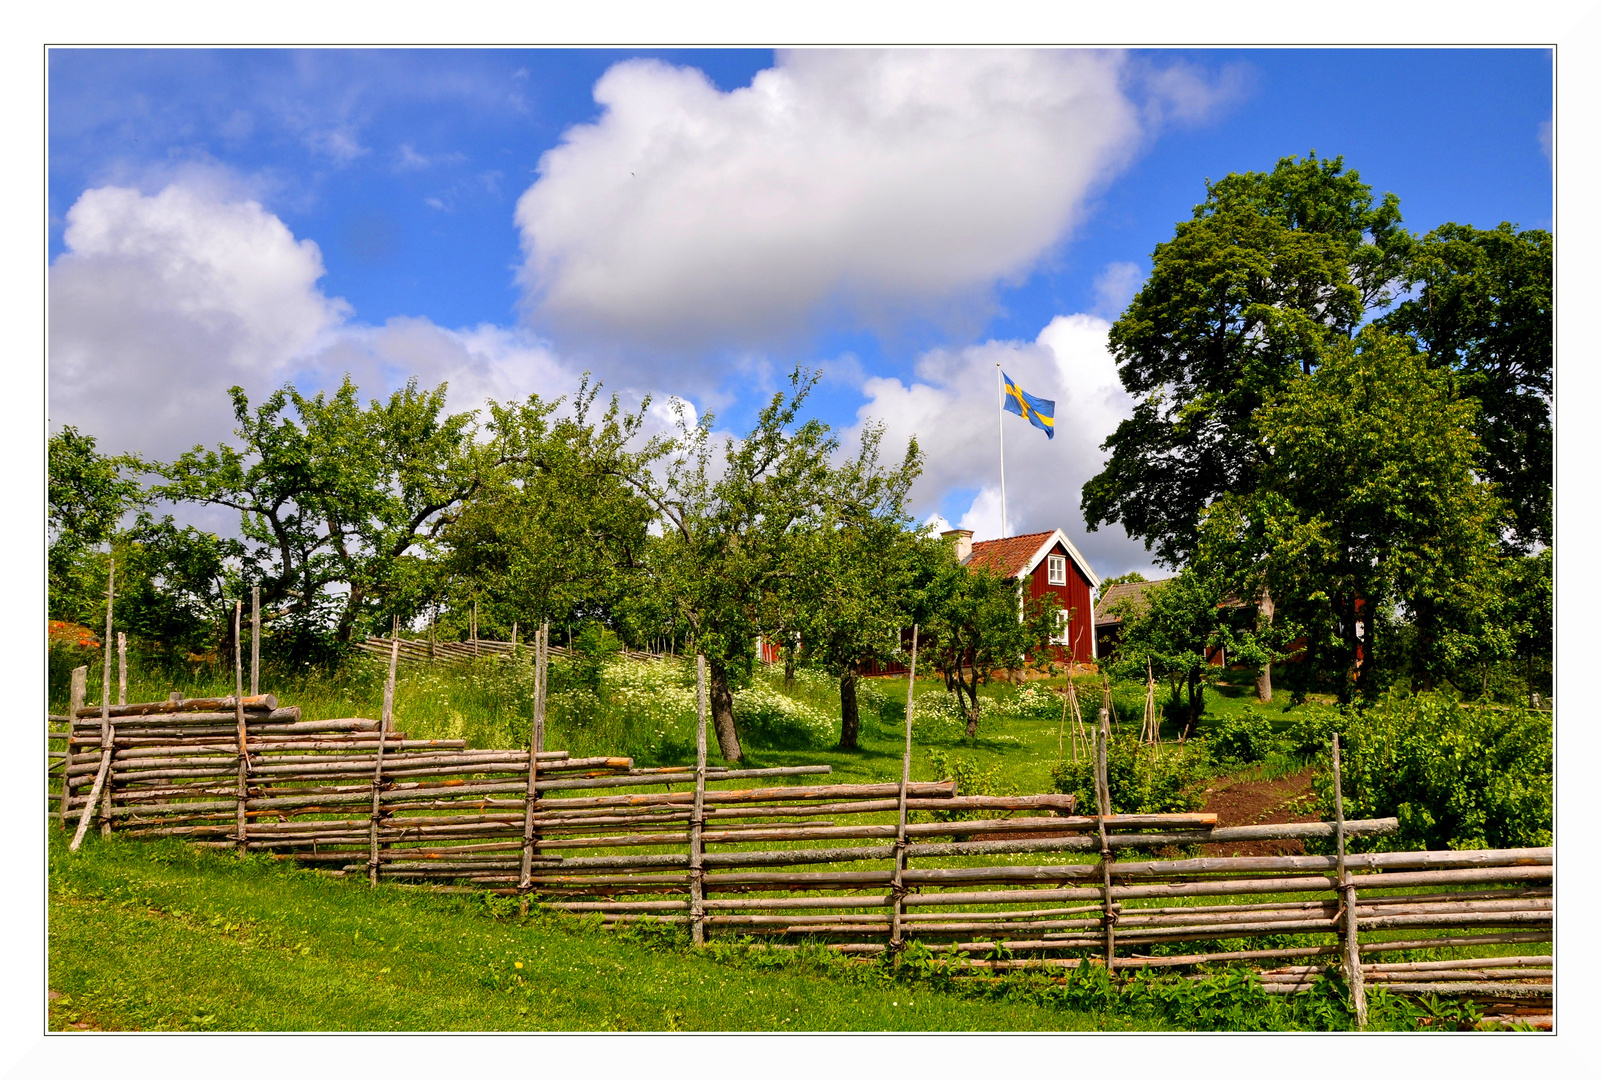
x,y
1074,597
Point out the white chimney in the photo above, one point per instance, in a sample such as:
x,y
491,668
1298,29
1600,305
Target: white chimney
x,y
963,539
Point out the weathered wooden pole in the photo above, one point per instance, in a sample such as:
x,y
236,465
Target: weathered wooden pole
x,y
897,881
1353,955
386,724
697,817
255,640
122,668
105,720
75,699
536,739
1103,810
243,792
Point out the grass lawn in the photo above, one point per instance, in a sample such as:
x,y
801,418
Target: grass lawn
x,y
154,936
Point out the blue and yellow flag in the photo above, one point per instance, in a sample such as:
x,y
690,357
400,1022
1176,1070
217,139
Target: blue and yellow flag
x,y
1038,411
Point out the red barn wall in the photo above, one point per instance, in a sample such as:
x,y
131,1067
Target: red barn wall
x,y
1073,597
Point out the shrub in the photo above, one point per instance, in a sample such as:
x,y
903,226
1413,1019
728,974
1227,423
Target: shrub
x,y
1457,776
1168,779
970,780
1241,740
1311,736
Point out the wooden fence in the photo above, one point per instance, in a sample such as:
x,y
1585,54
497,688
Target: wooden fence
x,y
990,882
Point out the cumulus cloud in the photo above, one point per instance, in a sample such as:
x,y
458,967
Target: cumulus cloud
x,y
870,183
162,302
950,406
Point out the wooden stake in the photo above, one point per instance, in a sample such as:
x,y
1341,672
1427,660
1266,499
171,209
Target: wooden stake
x,y
105,722
122,668
255,640
242,827
1103,798
897,882
80,682
1353,960
697,817
531,796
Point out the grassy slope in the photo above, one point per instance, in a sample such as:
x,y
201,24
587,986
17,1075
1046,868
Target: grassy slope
x,y
157,937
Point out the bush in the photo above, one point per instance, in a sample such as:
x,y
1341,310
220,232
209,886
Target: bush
x,y
1169,779
1312,734
1457,776
970,780
1241,740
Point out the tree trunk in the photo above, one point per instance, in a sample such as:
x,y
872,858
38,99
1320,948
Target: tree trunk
x,y
1264,620
722,703
1197,702
789,669
850,720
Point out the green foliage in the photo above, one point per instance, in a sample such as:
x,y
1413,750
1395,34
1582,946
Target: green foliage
x,y
1368,508
975,623
1244,738
1457,776
1168,779
971,779
1484,311
555,528
339,505
1245,298
1169,632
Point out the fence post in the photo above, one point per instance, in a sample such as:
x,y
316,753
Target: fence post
x,y
1103,809
1353,952
103,774
697,819
536,738
255,640
80,684
122,668
239,720
386,721
897,883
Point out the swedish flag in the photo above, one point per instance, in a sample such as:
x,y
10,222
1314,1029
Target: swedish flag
x,y
1038,411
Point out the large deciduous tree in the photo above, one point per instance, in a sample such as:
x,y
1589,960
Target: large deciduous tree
x,y
339,505
1271,269
847,604
555,530
1367,508
730,531
1482,308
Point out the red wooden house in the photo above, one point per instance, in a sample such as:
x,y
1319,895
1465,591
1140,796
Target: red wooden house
x,y
1046,562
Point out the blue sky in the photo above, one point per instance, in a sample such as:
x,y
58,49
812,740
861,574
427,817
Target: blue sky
x,y
903,221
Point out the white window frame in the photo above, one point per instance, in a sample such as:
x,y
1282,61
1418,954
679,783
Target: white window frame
x,y
1056,569
1064,620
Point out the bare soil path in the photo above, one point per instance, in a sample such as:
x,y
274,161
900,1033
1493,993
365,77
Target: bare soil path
x,y
1259,802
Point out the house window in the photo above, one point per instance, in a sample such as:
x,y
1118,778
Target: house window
x,y
1056,569
1062,619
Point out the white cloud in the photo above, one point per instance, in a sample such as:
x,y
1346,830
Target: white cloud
x,y
1115,286
874,183
951,407
161,302
1545,138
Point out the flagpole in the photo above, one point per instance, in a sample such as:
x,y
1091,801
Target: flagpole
x,y
1000,425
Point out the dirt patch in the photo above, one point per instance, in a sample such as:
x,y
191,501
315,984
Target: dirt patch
x,y
1259,802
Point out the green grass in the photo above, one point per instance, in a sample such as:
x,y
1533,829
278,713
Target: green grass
x,y
163,937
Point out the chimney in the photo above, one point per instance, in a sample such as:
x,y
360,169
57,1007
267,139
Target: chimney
x,y
963,539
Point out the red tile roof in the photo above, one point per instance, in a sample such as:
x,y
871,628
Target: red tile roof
x,y
1007,556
